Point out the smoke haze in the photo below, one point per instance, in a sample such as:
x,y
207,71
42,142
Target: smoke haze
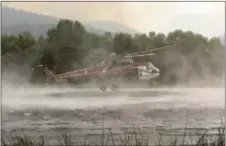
x,y
156,16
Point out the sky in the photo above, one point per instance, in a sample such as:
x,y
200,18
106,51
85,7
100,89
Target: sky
x,y
207,18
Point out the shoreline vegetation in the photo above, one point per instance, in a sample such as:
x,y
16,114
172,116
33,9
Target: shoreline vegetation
x,y
131,136
69,46
136,137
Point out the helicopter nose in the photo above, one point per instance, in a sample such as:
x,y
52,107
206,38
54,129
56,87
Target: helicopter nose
x,y
155,71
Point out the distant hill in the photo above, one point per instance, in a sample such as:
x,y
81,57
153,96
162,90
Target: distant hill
x,y
15,21
111,26
38,29
12,17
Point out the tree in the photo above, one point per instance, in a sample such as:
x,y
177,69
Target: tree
x,y
20,43
64,43
122,44
68,46
159,40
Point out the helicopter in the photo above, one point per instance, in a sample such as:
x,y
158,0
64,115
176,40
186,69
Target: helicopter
x,y
108,73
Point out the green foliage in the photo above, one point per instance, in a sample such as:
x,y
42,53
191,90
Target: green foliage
x,y
69,46
20,43
63,47
123,44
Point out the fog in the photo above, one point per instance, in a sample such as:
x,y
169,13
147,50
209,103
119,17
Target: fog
x,y
162,17
67,97
46,109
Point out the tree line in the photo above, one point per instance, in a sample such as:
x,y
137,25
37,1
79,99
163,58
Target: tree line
x,y
69,46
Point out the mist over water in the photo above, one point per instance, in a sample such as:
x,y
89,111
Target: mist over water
x,y
48,110
37,97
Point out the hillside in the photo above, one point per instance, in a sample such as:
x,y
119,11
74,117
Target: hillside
x,y
15,21
111,26
12,17
38,29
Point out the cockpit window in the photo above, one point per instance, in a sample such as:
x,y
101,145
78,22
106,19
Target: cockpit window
x,y
154,71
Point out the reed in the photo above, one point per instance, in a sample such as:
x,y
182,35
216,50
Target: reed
x,y
134,138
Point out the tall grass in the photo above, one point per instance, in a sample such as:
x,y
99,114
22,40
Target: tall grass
x,y
134,138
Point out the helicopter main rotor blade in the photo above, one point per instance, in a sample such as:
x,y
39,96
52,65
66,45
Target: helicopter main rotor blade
x,y
140,55
152,50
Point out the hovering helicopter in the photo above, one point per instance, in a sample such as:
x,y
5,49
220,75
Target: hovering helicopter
x,y
111,71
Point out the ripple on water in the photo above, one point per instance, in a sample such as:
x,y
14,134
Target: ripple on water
x,y
158,112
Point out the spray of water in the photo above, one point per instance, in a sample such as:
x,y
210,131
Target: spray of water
x,y
38,97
